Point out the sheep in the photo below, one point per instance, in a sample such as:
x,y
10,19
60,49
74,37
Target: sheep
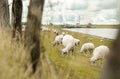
x,y
55,31
99,52
67,39
87,47
68,42
58,40
67,49
45,28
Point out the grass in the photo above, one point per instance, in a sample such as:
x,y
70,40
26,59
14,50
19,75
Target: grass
x,y
85,26
13,57
77,67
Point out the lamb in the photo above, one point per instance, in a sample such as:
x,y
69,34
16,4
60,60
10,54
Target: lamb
x,y
99,52
68,43
87,47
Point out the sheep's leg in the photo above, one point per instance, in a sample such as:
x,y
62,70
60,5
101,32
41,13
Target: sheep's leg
x,y
93,63
91,50
63,54
67,54
86,52
72,51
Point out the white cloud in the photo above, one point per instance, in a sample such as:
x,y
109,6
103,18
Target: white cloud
x,y
96,11
106,16
108,4
66,11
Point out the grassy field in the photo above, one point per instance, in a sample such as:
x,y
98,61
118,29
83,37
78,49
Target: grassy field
x,y
71,67
13,57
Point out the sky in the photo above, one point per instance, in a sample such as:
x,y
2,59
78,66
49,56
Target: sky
x,y
77,11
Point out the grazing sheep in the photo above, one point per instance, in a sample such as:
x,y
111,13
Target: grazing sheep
x,y
99,52
45,28
55,31
58,40
87,47
67,39
63,33
67,49
68,43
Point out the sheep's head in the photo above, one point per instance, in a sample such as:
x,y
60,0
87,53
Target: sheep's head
x,y
77,42
93,60
81,52
64,52
63,33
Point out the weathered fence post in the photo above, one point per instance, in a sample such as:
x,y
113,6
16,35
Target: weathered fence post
x,y
32,32
4,13
16,19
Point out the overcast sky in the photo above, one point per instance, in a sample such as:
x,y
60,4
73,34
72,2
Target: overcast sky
x,y
75,11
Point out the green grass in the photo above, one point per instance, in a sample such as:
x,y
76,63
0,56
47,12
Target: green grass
x,y
77,67
85,26
13,57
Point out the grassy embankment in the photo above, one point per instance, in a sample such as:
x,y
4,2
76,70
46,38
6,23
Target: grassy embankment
x,y
78,67
54,66
85,26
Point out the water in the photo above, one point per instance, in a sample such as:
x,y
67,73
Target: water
x,y
100,32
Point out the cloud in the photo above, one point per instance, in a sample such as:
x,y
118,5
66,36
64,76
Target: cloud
x,y
73,11
108,4
76,5
106,16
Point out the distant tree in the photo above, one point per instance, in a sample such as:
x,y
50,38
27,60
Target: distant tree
x,y
4,13
32,32
51,24
16,19
89,25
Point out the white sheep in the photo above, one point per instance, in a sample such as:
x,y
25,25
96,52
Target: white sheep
x,y
67,39
99,52
44,28
87,47
58,40
68,43
55,31
67,49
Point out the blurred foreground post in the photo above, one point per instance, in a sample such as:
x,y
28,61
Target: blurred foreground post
x,y
16,19
112,70
4,13
32,32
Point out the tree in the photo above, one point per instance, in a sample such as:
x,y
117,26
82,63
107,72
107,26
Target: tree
x,y
16,19
32,32
4,13
89,25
